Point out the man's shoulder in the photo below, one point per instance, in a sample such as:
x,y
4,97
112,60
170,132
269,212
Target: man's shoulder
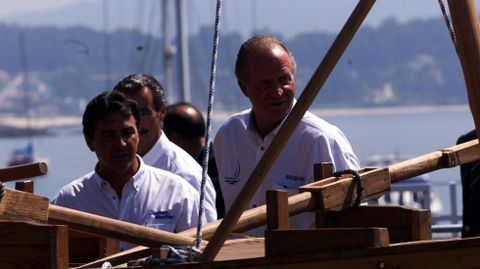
x,y
80,182
235,122
162,176
312,123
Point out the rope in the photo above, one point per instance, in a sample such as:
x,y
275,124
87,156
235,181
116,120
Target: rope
x,y
2,190
448,22
356,180
213,71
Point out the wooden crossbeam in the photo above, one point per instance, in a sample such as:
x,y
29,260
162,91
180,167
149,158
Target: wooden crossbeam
x,y
334,194
23,171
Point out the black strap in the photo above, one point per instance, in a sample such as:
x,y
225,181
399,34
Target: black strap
x,y
356,180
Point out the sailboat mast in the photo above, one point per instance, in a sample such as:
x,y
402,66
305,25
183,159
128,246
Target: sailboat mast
x,y
182,37
25,88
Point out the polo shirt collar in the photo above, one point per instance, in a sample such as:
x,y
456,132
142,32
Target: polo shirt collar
x,y
135,179
158,148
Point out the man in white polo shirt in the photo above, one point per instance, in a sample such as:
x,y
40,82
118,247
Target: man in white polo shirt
x,y
265,70
154,147
122,186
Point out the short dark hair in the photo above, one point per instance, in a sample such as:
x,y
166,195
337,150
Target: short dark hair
x,y
136,82
105,104
258,44
182,123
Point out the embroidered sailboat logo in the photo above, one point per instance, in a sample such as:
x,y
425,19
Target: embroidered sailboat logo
x,y
236,176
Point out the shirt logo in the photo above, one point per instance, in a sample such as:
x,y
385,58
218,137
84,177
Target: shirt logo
x,y
160,214
233,179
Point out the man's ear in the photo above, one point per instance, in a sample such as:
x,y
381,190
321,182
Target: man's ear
x,y
89,143
161,113
243,87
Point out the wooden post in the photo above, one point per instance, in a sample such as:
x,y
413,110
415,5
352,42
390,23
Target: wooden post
x,y
277,210
465,24
26,186
322,171
288,127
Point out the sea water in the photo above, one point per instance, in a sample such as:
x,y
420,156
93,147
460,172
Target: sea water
x,y
403,134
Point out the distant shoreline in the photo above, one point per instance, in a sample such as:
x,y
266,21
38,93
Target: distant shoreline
x,y
76,121
330,112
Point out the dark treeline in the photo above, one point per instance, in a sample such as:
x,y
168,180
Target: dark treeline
x,y
394,64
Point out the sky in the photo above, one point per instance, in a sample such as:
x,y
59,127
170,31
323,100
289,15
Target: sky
x,y
287,17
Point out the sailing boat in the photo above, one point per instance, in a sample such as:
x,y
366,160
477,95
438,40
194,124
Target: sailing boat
x,y
24,155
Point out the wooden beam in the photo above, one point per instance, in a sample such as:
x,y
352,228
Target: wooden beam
x,y
288,242
23,171
304,101
403,224
341,193
107,227
18,205
467,34
32,245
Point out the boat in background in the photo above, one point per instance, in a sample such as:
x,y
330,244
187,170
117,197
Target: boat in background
x,y
22,155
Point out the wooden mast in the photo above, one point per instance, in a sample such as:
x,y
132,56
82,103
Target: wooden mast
x,y
465,24
304,102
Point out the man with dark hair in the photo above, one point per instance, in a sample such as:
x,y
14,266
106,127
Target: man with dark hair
x,y
122,186
265,70
184,125
154,147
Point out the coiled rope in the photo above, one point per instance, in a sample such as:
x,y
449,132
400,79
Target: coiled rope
x,y
211,95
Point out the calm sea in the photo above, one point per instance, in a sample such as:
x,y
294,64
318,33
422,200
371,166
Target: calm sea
x,y
404,134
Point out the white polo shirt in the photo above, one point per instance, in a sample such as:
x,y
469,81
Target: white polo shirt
x,y
152,197
238,148
168,156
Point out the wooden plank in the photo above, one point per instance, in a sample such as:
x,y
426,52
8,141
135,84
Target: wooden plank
x,y
306,98
33,245
288,242
18,205
334,194
403,224
26,186
23,171
438,254
277,210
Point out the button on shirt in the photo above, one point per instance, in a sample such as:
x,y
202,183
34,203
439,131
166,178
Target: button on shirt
x,y
152,197
238,148
168,156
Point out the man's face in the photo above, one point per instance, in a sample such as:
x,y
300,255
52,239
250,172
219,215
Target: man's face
x,y
150,124
115,143
270,86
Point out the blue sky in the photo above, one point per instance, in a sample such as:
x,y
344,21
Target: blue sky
x,y
284,16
